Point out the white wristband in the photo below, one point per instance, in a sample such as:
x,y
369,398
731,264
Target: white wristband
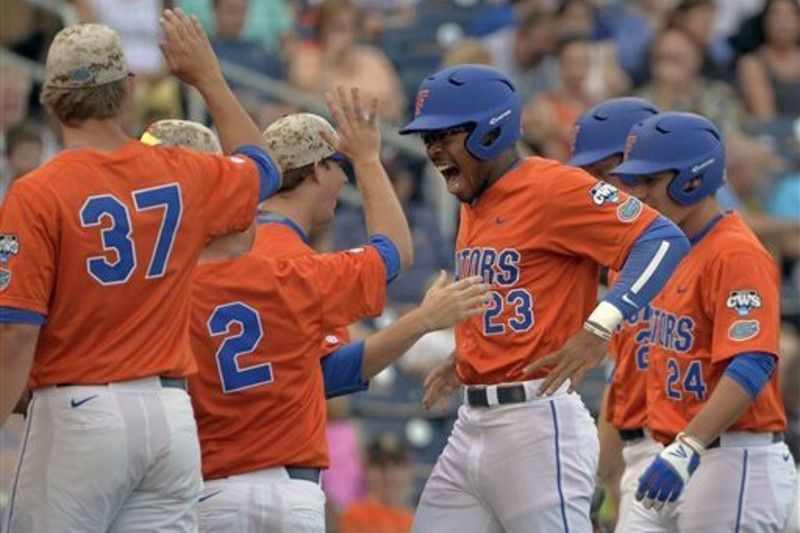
x,y
606,315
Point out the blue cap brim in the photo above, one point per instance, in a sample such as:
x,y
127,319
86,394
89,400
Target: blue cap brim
x,y
591,156
431,123
634,167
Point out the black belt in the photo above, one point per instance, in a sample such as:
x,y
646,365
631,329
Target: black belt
x,y
776,437
169,383
506,394
628,435
304,473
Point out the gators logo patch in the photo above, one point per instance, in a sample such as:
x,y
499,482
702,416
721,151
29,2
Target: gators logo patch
x,y
629,210
743,330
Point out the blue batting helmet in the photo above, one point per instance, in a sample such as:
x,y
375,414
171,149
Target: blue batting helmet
x,y
688,144
602,131
470,95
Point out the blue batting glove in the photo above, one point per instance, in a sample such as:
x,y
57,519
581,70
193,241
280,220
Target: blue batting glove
x,y
664,479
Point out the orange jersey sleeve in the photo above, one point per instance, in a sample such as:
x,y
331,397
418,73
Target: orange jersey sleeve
x,y
276,240
107,243
28,248
257,326
626,402
537,236
593,219
721,301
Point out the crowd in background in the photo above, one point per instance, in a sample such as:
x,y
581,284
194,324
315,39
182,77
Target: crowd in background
x,y
735,61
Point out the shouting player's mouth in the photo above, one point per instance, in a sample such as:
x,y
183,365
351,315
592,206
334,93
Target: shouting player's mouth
x,y
452,176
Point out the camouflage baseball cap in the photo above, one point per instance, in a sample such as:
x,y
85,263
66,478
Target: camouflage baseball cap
x,y
85,55
296,140
182,133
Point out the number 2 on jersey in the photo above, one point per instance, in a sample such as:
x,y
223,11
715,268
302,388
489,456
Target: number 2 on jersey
x,y
520,301
234,378
117,237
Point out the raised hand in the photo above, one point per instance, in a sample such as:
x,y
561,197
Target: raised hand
x,y
356,124
187,50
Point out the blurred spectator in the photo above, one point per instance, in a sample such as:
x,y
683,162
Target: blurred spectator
x,y
385,508
548,121
468,51
524,54
431,252
696,18
502,14
676,83
605,79
15,86
269,22
769,76
24,151
633,28
230,46
334,58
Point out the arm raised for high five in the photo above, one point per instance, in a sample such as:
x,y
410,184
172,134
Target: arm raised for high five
x,y
189,56
360,140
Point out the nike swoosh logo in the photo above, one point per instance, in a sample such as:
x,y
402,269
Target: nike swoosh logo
x,y
787,456
501,220
207,496
681,290
75,404
629,301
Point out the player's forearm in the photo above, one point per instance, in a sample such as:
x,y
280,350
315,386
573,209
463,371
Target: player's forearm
x,y
726,404
386,346
234,125
17,347
382,210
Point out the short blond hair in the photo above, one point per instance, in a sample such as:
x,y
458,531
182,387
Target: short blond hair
x,y
74,106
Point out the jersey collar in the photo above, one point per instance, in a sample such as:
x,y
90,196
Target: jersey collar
x,y
269,217
703,232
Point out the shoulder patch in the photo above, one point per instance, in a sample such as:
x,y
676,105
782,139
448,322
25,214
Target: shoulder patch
x,y
743,301
5,278
9,245
356,250
603,192
332,339
743,330
629,210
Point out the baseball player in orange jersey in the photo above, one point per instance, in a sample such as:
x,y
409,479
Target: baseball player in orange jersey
x,y
537,231
626,447
97,248
300,301
712,388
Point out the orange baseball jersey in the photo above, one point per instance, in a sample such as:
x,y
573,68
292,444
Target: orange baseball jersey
x,y
722,300
537,236
104,246
277,237
626,401
256,328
